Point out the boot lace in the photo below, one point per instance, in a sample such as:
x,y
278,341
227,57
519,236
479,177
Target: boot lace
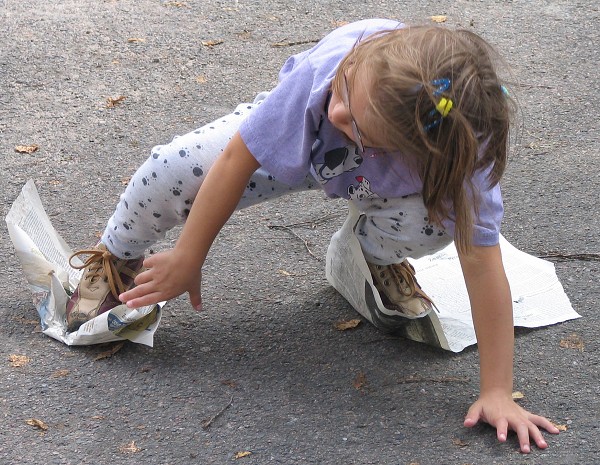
x,y
100,265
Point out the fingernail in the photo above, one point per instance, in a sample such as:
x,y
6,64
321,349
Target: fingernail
x,y
526,449
198,308
503,437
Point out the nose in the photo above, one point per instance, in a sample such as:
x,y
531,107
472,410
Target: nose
x,y
340,117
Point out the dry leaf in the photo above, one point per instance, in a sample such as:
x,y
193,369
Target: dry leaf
x,y
125,180
37,423
360,381
26,148
109,353
240,455
339,23
439,19
134,40
130,448
212,43
345,325
229,382
175,4
18,361
201,79
284,273
98,417
572,341
112,102
518,395
60,373
459,443
560,427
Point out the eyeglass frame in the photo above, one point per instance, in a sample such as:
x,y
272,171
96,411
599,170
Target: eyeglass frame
x,y
355,131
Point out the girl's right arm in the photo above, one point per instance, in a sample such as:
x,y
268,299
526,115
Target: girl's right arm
x,y
175,271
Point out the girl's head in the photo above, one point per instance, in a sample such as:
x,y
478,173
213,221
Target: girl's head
x,y
394,80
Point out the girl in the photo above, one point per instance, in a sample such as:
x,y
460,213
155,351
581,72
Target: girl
x,y
409,124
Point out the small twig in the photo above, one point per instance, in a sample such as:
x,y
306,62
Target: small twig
x,y
206,424
304,241
312,224
445,379
290,44
534,86
590,257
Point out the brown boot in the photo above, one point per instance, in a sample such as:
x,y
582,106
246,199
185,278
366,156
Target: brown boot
x,y
104,278
399,289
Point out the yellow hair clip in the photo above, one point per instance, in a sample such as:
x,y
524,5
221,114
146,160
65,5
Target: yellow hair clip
x,y
444,106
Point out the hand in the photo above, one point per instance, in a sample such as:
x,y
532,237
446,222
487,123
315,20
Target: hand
x,y
501,412
168,275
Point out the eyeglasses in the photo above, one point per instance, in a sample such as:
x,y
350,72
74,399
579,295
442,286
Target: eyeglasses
x,y
355,132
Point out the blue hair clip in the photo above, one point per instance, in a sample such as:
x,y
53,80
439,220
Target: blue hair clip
x,y
442,85
444,105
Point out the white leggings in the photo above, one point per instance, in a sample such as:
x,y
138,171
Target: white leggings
x,y
161,192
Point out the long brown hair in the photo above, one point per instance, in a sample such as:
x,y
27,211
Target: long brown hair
x,y
403,67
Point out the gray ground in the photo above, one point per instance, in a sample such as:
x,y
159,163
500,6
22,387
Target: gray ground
x,y
267,340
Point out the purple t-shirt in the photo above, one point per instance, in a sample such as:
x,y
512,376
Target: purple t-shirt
x,y
290,135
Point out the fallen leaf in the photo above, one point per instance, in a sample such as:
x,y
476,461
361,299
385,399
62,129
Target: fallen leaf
x,y
573,341
240,455
439,18
60,373
360,381
212,43
284,273
201,79
134,40
560,427
109,353
125,180
175,4
459,443
18,361
129,448
229,382
518,395
98,417
39,424
345,325
112,102
26,148
336,24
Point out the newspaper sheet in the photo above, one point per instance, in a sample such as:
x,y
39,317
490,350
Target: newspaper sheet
x,y
44,256
538,297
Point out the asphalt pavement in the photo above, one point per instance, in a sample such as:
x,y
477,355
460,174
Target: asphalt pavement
x,y
262,376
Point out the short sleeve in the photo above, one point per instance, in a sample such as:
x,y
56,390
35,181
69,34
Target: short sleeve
x,y
280,131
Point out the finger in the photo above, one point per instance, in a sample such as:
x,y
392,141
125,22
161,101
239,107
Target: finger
x,y
196,300
523,434
536,435
544,423
148,299
473,416
143,277
502,429
136,292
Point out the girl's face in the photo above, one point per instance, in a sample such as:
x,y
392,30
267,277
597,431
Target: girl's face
x,y
347,112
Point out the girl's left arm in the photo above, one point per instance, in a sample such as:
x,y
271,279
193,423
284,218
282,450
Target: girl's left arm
x,y
491,307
